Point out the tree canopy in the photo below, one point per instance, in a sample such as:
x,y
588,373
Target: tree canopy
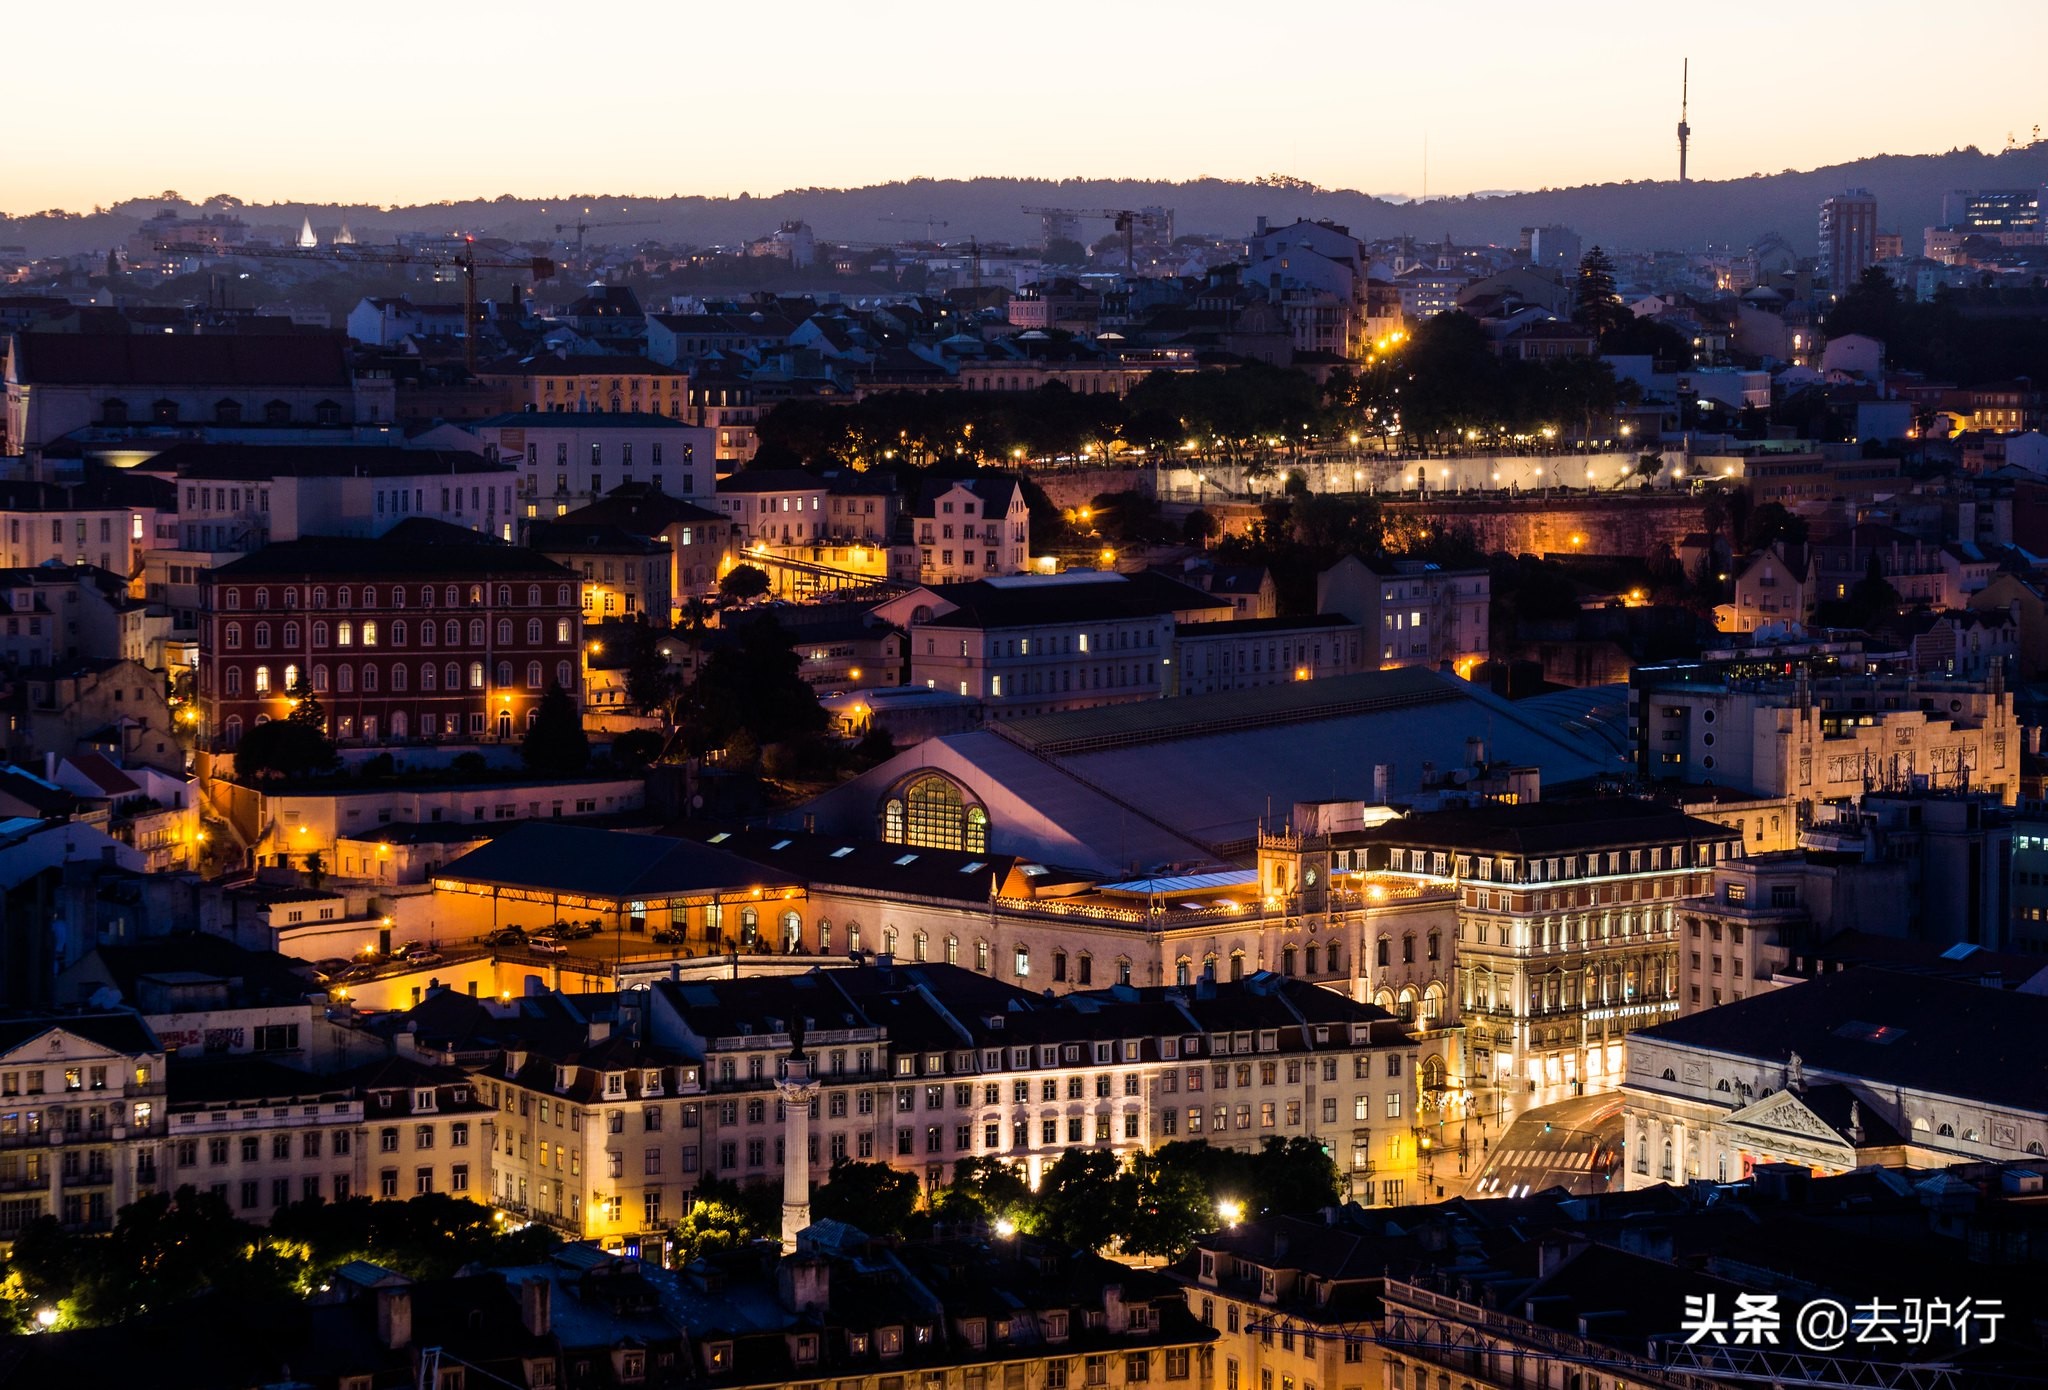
x,y
167,1248
555,745
284,748
749,683
743,582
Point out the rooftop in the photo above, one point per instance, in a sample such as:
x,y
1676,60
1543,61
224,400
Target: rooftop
x,y
1080,596
1546,827
316,360
607,865
1888,1028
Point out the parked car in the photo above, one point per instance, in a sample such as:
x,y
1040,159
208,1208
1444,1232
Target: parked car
x,y
507,936
331,968
409,950
671,936
547,946
426,958
363,970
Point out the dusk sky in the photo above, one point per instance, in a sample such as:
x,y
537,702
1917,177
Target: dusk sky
x,y
432,101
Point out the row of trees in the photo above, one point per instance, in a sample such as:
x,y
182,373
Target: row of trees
x,y
297,746
1155,1204
1937,336
168,1248
1443,387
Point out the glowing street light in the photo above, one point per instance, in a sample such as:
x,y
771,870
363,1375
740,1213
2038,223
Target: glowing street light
x,y
1005,1226
1230,1210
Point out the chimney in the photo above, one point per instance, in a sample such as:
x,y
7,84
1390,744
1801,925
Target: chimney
x,y
394,1318
1382,781
1262,226
537,1305
805,1284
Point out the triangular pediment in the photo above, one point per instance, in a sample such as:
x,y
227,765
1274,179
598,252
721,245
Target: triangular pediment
x,y
1784,1113
52,1042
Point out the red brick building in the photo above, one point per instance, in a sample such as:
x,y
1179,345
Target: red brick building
x,y
426,634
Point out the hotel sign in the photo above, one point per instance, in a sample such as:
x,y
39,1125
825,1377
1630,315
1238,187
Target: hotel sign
x,y
1667,1006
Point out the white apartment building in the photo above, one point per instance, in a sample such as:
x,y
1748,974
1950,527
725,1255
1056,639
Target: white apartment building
x,y
82,1118
239,498
969,528
566,459
1243,653
1414,613
260,1136
1826,740
1033,644
45,524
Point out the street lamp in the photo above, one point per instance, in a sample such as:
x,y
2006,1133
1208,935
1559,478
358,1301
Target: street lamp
x,y
1230,1210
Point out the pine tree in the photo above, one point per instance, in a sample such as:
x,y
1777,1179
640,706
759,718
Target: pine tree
x,y
306,706
1594,300
556,745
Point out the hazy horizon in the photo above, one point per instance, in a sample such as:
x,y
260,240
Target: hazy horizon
x,y
447,105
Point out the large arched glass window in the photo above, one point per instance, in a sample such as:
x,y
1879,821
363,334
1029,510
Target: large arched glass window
x,y
932,812
935,813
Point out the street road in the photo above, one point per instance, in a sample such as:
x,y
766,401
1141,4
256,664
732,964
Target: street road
x,y
1574,1144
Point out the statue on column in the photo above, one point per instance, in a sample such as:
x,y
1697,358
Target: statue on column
x,y
797,1087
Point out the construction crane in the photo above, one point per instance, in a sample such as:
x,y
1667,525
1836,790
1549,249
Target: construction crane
x,y
1125,220
932,221
581,227
464,259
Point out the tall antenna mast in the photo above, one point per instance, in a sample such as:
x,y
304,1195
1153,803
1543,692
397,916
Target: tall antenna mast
x,y
1684,130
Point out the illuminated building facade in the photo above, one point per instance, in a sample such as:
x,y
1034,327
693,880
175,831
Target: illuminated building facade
x,y
1567,939
452,640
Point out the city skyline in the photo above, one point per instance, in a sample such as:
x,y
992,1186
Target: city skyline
x,y
891,101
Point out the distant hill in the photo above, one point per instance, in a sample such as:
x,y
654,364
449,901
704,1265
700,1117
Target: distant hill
x,y
1628,216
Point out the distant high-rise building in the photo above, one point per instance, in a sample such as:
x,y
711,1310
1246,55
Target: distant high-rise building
x,y
1989,211
1848,237
1554,248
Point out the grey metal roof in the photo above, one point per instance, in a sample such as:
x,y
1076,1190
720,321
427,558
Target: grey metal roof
x,y
576,861
1889,1028
1182,883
